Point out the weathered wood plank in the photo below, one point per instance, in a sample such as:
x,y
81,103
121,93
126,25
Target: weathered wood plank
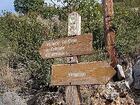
x,y
74,28
70,46
82,73
72,95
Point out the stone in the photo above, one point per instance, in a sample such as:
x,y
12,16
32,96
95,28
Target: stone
x,y
1,103
11,98
120,72
129,76
136,72
109,92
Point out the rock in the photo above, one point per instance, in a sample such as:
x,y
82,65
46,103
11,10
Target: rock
x,y
47,98
11,98
136,72
114,93
129,76
120,72
109,92
137,100
1,100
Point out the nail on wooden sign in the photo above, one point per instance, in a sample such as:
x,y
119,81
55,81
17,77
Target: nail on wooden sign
x,y
82,73
69,46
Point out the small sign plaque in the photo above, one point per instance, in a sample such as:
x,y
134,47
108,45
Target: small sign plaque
x,y
74,24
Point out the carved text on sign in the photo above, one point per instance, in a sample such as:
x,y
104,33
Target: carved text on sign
x,y
69,46
78,74
98,72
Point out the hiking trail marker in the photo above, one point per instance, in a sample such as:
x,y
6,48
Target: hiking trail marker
x,y
75,74
73,96
98,72
70,46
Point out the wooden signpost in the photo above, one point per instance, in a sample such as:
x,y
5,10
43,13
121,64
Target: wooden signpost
x,y
73,74
76,45
98,72
108,31
74,28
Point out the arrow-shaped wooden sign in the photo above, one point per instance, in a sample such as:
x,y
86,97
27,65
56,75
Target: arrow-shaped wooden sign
x,y
99,72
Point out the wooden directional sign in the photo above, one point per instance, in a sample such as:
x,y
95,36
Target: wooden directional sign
x,y
82,73
69,46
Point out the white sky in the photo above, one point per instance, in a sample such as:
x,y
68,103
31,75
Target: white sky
x,y
9,6
55,1
59,3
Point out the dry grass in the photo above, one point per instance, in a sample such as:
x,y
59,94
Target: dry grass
x,y
6,77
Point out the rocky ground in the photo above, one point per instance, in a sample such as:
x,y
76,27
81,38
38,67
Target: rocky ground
x,y
111,94
13,91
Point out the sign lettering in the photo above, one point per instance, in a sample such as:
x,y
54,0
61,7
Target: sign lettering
x,y
98,72
70,46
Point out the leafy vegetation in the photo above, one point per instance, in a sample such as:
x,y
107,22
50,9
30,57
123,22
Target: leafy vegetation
x,y
25,6
126,21
22,35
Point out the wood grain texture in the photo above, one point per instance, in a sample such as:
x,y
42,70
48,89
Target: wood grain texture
x,y
69,46
109,31
82,73
73,96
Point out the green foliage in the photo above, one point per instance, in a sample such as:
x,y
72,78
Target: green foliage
x,y
25,6
126,21
24,36
129,3
21,36
92,21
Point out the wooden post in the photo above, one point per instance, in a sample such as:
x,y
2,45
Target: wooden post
x,y
74,28
110,37
108,31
